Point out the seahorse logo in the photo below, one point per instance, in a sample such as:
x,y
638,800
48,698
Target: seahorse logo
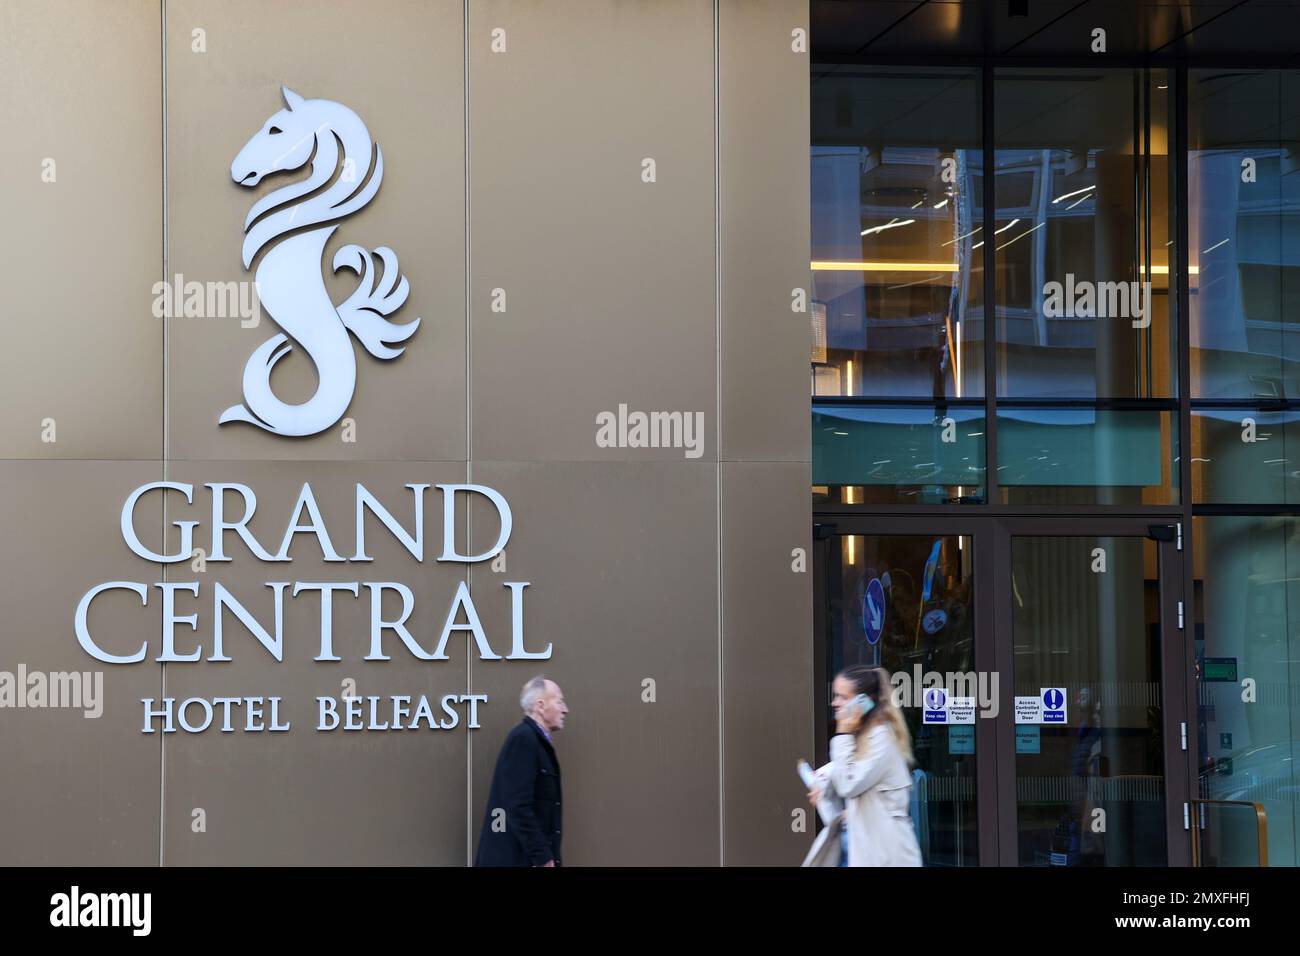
x,y
346,170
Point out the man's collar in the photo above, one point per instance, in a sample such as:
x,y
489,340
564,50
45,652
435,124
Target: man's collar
x,y
539,728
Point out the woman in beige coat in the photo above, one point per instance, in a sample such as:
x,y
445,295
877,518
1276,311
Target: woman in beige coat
x,y
865,788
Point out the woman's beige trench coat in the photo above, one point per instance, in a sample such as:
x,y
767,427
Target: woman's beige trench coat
x,y
869,796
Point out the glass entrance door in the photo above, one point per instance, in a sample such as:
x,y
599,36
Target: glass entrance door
x,y
909,602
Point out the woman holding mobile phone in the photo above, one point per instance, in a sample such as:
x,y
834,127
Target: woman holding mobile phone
x,y
869,772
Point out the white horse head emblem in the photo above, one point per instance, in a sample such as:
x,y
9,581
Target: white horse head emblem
x,y
346,170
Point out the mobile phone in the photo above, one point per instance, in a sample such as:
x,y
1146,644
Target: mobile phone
x,y
863,704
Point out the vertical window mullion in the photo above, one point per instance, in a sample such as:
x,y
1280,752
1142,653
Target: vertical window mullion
x,y
990,292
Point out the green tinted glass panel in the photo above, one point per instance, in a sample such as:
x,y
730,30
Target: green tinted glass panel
x,y
913,445
1245,456
1104,455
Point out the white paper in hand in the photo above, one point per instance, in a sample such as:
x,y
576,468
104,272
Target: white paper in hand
x,y
829,806
806,774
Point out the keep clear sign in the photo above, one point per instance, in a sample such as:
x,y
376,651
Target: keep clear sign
x,y
935,706
1053,705
941,709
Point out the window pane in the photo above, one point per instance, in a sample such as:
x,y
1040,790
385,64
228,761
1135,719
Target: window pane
x,y
896,185
1243,456
1247,622
1087,456
1244,242
1080,206
915,454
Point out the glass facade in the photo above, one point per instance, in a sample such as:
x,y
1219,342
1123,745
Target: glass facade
x,y
1112,452
1079,239
896,224
1081,205
1244,234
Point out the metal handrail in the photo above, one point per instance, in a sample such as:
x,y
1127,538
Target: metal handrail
x,y
1261,826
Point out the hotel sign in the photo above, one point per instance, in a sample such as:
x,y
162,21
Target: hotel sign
x,y
229,713
286,232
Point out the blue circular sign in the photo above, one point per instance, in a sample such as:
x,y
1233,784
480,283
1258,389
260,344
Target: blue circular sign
x,y
1053,699
934,621
873,610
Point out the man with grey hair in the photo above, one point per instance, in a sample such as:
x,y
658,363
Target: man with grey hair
x,y
521,826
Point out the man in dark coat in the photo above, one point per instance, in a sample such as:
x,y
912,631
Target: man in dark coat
x,y
521,826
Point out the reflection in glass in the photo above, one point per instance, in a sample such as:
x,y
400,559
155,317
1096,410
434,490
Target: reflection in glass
x,y
1087,456
896,221
1244,233
927,624
1245,456
1082,208
1247,626
1095,637
1229,833
921,454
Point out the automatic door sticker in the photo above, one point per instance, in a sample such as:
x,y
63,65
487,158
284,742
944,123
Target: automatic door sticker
x,y
1027,739
961,740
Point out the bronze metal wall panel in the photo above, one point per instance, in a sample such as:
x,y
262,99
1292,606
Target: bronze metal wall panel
x,y
767,660
608,279
622,563
77,789
766,288
81,167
